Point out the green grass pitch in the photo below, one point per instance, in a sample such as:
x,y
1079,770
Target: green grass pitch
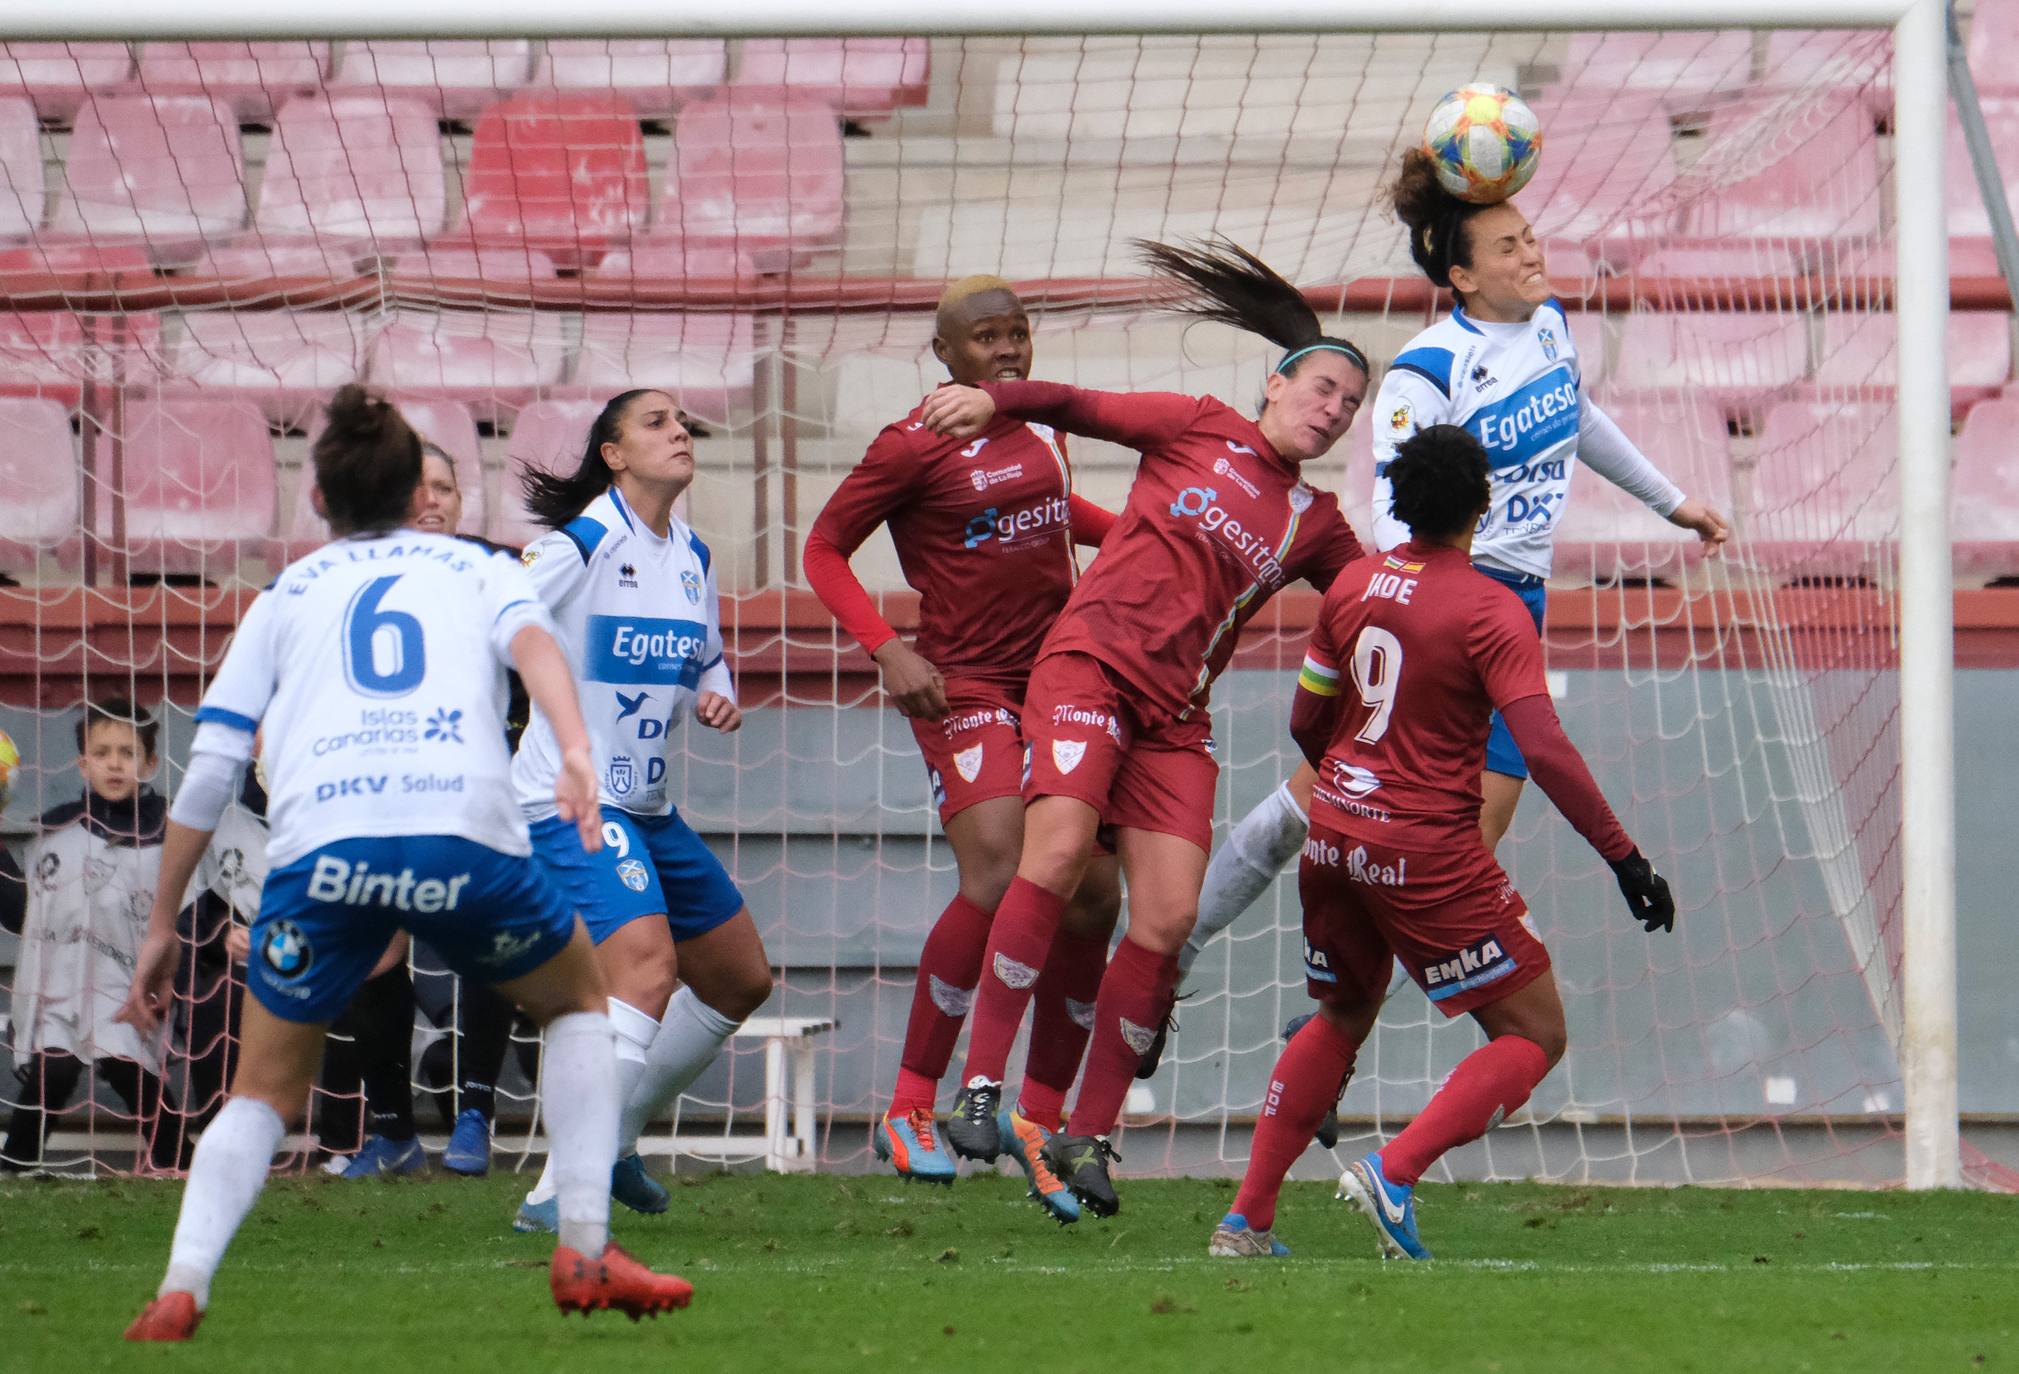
x,y
866,1273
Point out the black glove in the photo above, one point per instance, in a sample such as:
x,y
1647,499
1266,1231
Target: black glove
x,y
1648,899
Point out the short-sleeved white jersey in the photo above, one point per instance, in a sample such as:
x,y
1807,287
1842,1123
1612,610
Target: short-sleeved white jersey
x,y
641,624
376,666
1519,390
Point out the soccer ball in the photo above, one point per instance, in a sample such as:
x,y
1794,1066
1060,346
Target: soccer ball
x,y
1484,142
10,759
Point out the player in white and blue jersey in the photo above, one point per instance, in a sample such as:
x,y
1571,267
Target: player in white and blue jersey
x,y
1503,366
632,592
376,667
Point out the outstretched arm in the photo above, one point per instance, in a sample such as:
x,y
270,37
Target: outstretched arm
x,y
1606,450
1134,419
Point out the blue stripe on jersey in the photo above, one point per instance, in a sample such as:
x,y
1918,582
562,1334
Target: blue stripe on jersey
x,y
1530,422
218,715
700,550
585,533
1431,364
629,650
1458,318
509,605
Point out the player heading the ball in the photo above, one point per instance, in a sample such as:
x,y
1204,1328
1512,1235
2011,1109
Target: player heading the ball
x,y
1412,653
376,666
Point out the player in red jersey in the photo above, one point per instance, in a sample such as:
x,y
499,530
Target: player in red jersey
x,y
984,529
1412,653
1217,521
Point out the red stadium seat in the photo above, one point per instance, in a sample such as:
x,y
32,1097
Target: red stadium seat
x,y
705,361
548,435
1738,360
286,362
1814,185
1587,329
278,255
1686,70
1821,503
360,169
200,486
450,260
1607,158
1606,532
762,175
59,76
1856,361
675,259
1968,219
857,76
38,483
561,173
1852,60
492,361
255,79
654,74
162,171
1994,38
1984,525
53,353
445,424
21,190
455,78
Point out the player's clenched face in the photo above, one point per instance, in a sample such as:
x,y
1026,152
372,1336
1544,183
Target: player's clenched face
x,y
1506,280
986,338
114,762
652,445
1307,411
438,501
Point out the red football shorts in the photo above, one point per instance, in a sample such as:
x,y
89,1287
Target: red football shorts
x,y
1087,742
975,752
1451,916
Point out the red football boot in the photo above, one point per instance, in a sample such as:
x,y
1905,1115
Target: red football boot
x,y
613,1280
170,1317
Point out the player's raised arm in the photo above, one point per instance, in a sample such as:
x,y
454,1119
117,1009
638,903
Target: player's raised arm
x,y
1134,419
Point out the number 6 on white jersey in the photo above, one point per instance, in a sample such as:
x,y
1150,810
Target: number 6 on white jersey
x,y
1377,672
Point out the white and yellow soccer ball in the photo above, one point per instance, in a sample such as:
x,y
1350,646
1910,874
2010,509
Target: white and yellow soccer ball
x,y
1485,143
10,759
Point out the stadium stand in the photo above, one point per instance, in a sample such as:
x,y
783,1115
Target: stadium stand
x,y
59,76
654,75
199,487
161,171
857,76
38,483
255,79
455,78
564,174
362,170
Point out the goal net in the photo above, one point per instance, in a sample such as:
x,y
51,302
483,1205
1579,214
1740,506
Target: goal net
x,y
197,242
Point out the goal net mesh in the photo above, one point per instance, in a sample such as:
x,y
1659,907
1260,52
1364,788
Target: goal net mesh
x,y
198,242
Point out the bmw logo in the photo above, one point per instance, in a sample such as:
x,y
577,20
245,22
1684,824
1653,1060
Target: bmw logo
x,y
287,950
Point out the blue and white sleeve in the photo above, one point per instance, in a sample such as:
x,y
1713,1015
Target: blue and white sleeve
x,y
1605,449
715,675
512,603
228,719
1409,400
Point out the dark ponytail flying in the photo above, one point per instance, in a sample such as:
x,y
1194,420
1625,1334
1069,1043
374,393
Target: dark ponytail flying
x,y
1225,282
1435,218
552,498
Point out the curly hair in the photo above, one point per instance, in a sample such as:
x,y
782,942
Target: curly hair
x,y
1438,478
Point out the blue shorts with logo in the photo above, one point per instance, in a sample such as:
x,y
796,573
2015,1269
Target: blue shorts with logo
x,y
1501,754
325,919
648,865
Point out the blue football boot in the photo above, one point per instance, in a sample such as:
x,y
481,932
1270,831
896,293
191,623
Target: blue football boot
x,y
381,1158
911,1145
1234,1238
469,1150
636,1189
1391,1207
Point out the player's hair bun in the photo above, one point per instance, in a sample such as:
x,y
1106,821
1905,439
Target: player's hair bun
x,y
1434,217
367,462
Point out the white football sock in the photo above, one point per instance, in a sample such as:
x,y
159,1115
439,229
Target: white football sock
x,y
634,1030
1256,849
225,1176
582,1125
690,1035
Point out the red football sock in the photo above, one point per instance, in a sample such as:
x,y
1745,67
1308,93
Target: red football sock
x,y
1307,1081
1489,1083
1134,996
948,969
1018,945
1061,1020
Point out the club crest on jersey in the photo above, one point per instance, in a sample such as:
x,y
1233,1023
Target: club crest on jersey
x,y
631,872
627,575
530,556
623,777
967,763
1399,420
1547,339
1067,753
286,950
1301,497
690,583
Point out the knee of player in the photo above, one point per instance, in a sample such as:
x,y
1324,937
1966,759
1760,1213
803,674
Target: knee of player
x,y
1554,1040
985,876
744,994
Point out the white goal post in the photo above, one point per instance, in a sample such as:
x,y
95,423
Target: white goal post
x,y
1925,609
